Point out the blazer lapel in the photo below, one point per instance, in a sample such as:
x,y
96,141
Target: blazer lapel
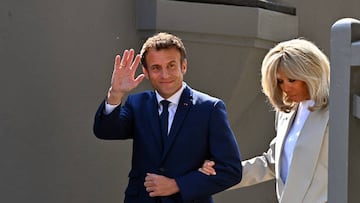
x,y
305,155
155,123
283,125
183,107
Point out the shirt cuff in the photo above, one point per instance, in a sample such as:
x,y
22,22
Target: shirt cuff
x,y
109,108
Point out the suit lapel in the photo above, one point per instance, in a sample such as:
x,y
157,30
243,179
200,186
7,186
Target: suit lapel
x,y
183,107
305,155
283,125
155,123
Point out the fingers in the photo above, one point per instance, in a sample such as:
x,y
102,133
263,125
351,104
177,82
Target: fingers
x,y
209,163
204,171
152,192
125,59
150,184
149,180
117,61
208,168
207,171
128,57
136,62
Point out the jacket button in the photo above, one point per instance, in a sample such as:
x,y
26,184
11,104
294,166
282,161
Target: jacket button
x,y
162,169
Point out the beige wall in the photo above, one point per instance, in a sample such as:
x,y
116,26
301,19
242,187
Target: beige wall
x,y
317,17
56,59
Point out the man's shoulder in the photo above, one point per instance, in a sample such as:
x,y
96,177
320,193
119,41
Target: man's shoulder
x,y
142,95
140,98
202,97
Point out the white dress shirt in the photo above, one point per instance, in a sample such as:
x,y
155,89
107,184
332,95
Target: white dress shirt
x,y
292,136
174,101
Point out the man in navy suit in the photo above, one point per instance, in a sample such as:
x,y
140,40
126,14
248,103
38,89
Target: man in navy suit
x,y
165,162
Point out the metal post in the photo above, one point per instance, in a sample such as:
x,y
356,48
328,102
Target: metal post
x,y
344,140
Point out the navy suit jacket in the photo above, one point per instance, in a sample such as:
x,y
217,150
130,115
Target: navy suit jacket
x,y
200,130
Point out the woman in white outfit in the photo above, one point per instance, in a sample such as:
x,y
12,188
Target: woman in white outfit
x,y
295,79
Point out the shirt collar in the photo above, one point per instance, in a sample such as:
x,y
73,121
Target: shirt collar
x,y
174,98
306,103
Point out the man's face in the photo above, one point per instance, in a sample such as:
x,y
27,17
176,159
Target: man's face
x,y
165,70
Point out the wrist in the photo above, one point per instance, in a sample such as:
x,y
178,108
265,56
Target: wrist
x,y
175,187
114,98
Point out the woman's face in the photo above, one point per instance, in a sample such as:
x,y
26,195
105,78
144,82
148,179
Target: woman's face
x,y
296,90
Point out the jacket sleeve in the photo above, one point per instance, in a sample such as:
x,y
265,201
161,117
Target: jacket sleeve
x,y
116,125
258,169
224,150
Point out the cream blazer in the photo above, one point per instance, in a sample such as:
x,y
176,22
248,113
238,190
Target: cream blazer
x,y
308,173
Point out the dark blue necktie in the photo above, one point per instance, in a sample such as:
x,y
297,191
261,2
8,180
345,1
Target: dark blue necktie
x,y
164,118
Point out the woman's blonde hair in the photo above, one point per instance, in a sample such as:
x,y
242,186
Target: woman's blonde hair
x,y
299,59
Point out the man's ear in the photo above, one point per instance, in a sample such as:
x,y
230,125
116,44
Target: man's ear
x,y
146,73
184,66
